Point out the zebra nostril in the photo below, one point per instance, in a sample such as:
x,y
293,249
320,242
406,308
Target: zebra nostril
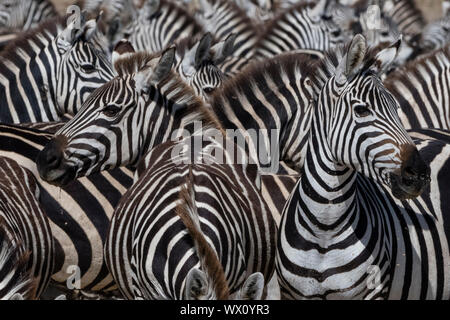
x,y
53,159
409,172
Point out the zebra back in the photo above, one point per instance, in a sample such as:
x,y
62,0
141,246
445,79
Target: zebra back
x,y
232,217
79,214
422,90
26,241
25,14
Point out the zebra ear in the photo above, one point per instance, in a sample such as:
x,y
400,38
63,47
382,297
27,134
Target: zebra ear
x,y
123,49
71,32
196,284
353,59
386,57
224,49
202,51
196,55
154,72
164,66
318,10
149,8
253,287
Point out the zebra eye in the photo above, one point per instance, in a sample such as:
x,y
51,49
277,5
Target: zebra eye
x,y
362,111
336,33
208,90
111,111
88,68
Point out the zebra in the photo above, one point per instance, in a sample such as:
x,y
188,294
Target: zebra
x,y
212,230
421,88
300,27
173,89
116,15
79,214
223,18
50,71
25,14
347,231
405,15
198,63
160,23
26,243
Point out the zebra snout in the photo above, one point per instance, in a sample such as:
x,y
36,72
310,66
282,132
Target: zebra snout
x,y
414,176
50,162
415,169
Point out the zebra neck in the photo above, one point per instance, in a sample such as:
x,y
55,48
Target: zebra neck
x,y
327,190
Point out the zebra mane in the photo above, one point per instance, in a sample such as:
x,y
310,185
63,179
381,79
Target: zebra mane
x,y
172,87
22,41
289,65
14,259
414,66
209,261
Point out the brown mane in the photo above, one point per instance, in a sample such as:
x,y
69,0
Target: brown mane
x,y
207,256
171,84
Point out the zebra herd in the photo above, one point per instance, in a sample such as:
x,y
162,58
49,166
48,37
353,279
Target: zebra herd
x,y
216,149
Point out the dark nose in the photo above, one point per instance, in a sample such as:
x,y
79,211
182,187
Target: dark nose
x,y
415,169
50,157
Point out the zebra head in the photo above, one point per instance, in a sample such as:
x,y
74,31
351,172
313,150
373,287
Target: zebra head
x,y
121,120
82,64
197,66
361,126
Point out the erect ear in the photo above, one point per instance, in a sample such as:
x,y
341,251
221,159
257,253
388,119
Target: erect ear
x,y
253,287
123,49
149,8
353,59
223,49
318,10
71,32
196,55
202,52
196,284
155,72
385,57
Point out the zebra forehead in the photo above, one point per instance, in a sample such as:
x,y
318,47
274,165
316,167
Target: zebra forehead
x,y
134,63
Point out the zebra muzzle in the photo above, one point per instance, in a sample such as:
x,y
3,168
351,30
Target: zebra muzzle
x,y
51,165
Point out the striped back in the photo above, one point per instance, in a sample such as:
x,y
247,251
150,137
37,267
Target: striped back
x,y
25,14
222,18
26,242
422,88
299,27
160,24
50,71
79,214
211,217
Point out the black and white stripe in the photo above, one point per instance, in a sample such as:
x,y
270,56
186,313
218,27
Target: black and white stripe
x,y
422,88
50,71
347,231
204,220
26,242
25,14
79,214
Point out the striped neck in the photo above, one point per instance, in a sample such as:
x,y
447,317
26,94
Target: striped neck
x,y
327,189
